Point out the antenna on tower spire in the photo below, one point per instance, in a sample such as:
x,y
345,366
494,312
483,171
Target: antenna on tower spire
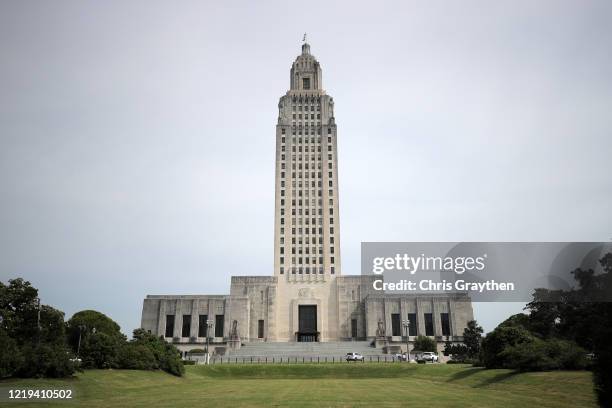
x,y
304,39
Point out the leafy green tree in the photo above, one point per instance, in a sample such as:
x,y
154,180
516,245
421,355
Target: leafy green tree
x,y
19,310
517,320
458,351
93,319
504,336
167,355
46,360
424,343
96,338
538,355
583,315
100,350
86,322
10,355
135,356
32,336
472,338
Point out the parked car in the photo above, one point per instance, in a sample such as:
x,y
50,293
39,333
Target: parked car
x,y
354,357
429,356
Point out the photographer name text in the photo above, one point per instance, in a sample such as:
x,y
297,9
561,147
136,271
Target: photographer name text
x,y
427,285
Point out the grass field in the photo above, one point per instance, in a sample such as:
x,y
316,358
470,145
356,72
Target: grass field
x,y
321,385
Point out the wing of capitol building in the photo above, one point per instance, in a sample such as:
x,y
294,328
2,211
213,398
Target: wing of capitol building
x,y
307,302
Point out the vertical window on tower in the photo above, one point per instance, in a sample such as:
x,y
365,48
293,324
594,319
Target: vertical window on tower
x,y
202,327
445,323
395,324
260,329
412,329
219,325
306,83
169,325
186,326
429,327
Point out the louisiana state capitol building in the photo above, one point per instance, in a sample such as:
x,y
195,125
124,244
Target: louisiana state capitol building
x,y
307,298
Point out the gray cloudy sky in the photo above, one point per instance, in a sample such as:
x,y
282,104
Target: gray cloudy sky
x,y
137,138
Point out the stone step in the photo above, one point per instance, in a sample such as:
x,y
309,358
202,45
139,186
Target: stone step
x,y
305,350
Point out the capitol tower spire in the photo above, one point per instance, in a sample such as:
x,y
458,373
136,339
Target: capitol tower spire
x,y
307,229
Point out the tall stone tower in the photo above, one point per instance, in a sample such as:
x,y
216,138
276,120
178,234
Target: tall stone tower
x,y
307,225
306,300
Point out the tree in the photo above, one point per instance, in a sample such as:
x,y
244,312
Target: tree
x,y
167,355
582,315
10,355
459,352
424,343
82,324
19,310
503,337
472,338
100,350
46,360
32,336
135,356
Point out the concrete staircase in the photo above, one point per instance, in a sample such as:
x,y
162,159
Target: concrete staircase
x,y
330,349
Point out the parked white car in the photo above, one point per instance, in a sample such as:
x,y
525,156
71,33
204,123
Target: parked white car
x,y
429,356
354,357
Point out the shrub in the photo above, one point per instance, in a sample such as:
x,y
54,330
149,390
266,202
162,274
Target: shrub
x,y
134,356
494,344
529,356
458,352
515,347
86,322
100,350
167,355
46,360
10,356
423,343
569,355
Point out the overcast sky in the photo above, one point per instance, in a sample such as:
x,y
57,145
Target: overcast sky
x,y
137,138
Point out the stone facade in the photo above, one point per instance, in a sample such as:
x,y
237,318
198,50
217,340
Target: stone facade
x,y
307,268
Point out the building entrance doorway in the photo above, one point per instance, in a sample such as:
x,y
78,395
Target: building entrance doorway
x,y
307,323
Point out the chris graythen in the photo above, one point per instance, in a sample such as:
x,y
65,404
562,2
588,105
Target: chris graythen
x,y
429,285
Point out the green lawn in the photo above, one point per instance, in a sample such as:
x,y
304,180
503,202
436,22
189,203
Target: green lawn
x,y
322,385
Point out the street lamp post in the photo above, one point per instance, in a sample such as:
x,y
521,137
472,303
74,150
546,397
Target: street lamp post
x,y
406,324
38,319
81,328
209,325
